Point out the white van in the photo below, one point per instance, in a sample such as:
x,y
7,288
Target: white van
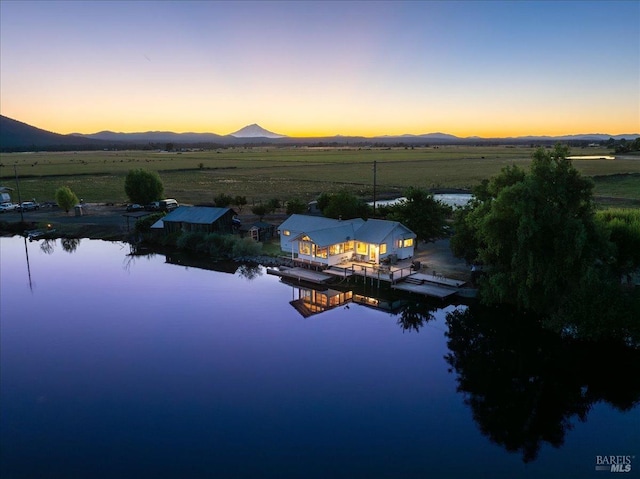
x,y
168,204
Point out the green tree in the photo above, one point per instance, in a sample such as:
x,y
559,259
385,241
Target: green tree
x,y
273,204
66,198
240,202
536,231
466,243
623,228
260,210
344,205
421,213
142,186
323,201
296,206
223,200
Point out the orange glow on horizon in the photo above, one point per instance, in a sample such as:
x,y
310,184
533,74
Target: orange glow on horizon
x,y
68,125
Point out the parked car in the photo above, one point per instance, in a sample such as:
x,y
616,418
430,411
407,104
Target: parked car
x,y
4,207
134,207
153,206
168,204
29,205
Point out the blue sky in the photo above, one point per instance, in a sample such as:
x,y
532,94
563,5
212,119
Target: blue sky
x,y
322,68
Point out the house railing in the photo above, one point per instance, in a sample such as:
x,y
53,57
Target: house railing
x,y
381,273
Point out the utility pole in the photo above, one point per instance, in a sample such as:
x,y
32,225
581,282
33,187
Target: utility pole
x,y
15,170
375,168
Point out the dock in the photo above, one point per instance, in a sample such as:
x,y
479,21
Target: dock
x,y
425,289
301,274
437,279
399,278
432,285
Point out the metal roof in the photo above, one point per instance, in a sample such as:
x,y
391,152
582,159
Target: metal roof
x,y
376,231
328,231
200,215
306,223
330,236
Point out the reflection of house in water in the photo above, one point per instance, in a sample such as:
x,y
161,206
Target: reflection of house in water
x,y
383,304
309,301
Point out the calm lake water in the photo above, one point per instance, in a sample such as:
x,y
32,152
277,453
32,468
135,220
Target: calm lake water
x,y
115,366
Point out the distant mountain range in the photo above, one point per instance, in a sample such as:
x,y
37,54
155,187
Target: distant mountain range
x,y
19,136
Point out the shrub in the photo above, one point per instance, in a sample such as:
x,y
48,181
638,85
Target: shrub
x,y
190,241
244,247
143,225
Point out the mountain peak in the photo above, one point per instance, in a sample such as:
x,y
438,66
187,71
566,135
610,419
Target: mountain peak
x,y
255,131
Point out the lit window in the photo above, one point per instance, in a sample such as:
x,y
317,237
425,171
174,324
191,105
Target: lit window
x,y
321,252
383,248
361,248
336,249
304,248
286,232
406,243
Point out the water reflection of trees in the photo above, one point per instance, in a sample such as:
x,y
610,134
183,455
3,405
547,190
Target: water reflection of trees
x,y
413,315
47,246
250,271
136,251
526,385
70,245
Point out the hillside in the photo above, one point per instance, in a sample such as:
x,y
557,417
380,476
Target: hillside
x,y
18,136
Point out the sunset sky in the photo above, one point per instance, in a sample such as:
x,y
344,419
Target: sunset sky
x,y
304,68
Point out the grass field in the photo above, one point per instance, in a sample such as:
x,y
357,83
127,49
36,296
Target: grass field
x,y
284,173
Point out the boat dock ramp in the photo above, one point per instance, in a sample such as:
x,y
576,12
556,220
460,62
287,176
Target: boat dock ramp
x,y
431,285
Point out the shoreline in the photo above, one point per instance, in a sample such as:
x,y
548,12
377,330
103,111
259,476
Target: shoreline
x,y
111,223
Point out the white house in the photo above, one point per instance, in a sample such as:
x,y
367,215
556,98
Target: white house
x,y
329,241
377,240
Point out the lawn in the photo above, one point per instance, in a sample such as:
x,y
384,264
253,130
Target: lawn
x,y
284,173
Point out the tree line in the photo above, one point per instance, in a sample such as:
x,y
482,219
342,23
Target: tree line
x,y
546,249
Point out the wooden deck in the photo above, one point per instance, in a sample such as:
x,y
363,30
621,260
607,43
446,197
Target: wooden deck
x,y
430,285
373,272
437,279
426,289
400,278
301,274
